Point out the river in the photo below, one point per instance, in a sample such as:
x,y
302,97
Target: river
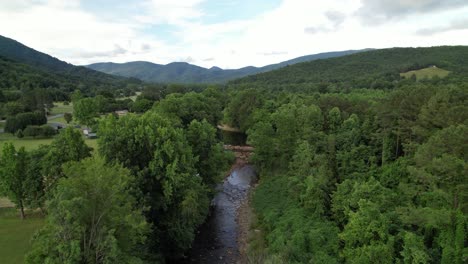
x,y
216,241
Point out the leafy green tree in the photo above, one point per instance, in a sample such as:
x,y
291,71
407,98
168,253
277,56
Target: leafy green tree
x,y
13,175
191,106
447,107
414,251
13,108
141,105
68,117
160,156
21,121
238,112
212,159
36,194
92,218
334,119
366,237
293,123
308,179
86,110
67,146
261,135
442,162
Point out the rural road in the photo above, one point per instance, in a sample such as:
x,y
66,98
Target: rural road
x,y
54,117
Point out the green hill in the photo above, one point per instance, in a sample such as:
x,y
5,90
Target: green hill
x,y
24,67
372,69
182,72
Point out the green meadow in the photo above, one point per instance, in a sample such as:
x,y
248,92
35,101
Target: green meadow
x,y
34,143
426,73
16,234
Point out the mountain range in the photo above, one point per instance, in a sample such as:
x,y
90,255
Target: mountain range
x,y
182,72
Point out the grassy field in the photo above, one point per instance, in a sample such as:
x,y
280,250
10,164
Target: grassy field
x,y
58,120
31,143
27,143
426,73
16,234
133,97
60,108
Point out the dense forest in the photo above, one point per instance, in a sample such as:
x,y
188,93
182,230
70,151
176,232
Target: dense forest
x,y
356,163
359,175
376,69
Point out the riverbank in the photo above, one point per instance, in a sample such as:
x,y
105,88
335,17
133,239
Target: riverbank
x,y
245,219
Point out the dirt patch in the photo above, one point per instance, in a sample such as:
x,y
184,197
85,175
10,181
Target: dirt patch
x,y
228,128
5,203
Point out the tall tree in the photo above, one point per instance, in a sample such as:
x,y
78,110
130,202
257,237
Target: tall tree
x,y
13,175
67,146
86,110
92,218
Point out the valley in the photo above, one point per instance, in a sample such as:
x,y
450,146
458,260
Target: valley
x,y
348,157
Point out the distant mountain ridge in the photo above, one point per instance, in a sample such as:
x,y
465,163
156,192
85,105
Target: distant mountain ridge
x,y
182,72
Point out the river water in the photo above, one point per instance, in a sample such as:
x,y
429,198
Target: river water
x,y
216,241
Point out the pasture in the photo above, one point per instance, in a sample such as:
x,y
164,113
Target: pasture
x,y
426,73
34,143
61,108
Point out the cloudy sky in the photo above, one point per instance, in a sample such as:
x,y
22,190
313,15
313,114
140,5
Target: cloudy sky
x,y
227,33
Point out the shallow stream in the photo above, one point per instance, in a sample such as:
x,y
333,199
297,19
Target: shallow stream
x,y
216,241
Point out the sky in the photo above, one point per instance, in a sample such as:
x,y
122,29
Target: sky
x,y
227,33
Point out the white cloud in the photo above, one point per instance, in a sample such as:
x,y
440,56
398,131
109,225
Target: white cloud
x,y
170,11
63,29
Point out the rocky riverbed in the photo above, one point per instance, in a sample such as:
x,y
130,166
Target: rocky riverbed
x,y
217,239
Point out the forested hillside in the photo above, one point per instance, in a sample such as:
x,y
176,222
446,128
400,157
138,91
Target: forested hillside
x,y
20,63
182,72
31,81
372,69
360,174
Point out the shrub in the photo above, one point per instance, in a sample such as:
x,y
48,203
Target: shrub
x,y
19,133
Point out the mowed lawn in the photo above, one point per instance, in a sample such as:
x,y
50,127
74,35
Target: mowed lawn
x,y
16,234
426,73
60,108
34,143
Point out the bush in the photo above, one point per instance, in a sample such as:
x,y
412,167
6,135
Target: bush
x,y
34,131
21,121
19,133
48,131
